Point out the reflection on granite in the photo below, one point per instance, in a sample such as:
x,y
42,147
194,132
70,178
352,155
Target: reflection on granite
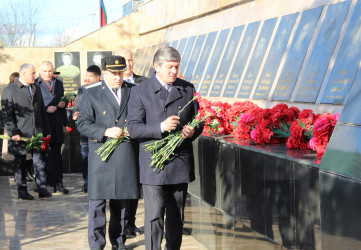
x,y
279,149
340,212
268,191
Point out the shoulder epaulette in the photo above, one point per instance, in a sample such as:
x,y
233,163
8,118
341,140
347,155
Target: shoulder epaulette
x,y
93,85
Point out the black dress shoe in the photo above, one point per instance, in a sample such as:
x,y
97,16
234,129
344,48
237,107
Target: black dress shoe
x,y
61,188
85,188
121,246
24,195
134,230
43,193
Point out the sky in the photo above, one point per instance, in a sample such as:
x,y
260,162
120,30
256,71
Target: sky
x,y
74,16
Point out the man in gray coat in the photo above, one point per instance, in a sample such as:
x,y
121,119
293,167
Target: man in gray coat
x,y
152,113
102,114
24,115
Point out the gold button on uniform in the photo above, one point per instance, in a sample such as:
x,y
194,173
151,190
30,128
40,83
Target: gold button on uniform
x,y
104,113
116,120
103,87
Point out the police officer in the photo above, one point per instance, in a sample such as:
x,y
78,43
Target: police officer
x,y
102,116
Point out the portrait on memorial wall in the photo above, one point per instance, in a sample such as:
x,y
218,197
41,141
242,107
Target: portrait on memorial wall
x,y
68,64
95,57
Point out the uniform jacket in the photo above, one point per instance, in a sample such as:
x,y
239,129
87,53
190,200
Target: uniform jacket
x,y
58,119
98,110
149,105
23,114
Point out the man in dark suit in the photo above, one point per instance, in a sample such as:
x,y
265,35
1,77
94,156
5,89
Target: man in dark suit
x,y
92,76
152,113
129,75
24,115
102,114
131,230
52,90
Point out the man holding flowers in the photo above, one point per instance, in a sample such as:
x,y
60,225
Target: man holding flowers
x,y
152,115
24,115
102,114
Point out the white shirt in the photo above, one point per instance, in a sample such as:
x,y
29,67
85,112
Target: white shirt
x,y
129,79
117,97
166,86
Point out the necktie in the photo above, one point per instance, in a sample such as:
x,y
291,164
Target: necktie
x,y
31,92
116,93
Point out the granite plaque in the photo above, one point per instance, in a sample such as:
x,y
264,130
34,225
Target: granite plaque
x,y
188,74
257,57
68,64
182,45
322,52
145,58
226,61
241,59
215,59
198,73
186,54
174,43
296,54
149,63
275,55
349,112
347,62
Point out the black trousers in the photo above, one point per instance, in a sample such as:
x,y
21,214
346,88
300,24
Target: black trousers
x,y
160,200
39,170
84,161
54,164
97,222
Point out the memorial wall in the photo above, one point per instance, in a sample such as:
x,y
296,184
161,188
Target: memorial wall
x,y
305,54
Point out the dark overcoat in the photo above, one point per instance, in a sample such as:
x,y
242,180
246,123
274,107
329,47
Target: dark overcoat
x,y
57,120
139,79
98,110
149,105
23,114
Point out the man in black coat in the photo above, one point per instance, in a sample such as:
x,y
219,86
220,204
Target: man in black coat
x,y
129,76
102,114
52,90
92,76
24,115
152,113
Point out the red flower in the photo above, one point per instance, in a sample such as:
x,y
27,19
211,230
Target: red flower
x,y
70,130
46,141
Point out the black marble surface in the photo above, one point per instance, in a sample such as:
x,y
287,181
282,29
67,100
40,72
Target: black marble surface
x,y
340,212
268,190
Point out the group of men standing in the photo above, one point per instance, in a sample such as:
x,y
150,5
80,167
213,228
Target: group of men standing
x,y
145,112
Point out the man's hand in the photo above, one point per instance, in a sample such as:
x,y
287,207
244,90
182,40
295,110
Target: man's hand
x,y
114,132
51,109
170,123
75,115
61,105
187,131
16,138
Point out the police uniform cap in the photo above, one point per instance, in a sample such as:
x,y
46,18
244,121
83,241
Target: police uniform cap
x,y
114,63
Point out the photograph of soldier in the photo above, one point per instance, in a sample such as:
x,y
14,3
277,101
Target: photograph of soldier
x,y
68,64
95,57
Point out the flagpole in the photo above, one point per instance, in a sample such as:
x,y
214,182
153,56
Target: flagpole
x,y
97,14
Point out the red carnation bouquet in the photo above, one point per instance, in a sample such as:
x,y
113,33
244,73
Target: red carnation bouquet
x,y
273,125
301,130
69,99
216,122
322,131
35,143
242,116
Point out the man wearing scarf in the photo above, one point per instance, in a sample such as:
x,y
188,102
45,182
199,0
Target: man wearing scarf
x,y
52,90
